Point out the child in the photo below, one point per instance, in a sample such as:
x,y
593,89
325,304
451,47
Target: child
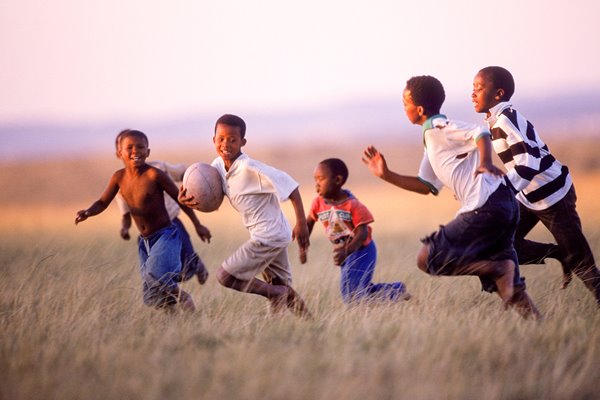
x,y
479,240
142,187
543,186
191,264
255,189
346,222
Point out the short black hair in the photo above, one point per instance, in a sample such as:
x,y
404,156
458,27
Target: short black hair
x,y
501,78
232,120
127,133
427,92
337,167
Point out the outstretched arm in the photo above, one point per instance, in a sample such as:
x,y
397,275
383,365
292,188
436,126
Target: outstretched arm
x,y
300,232
376,163
100,205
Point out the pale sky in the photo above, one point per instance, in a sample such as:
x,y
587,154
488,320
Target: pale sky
x,y
77,60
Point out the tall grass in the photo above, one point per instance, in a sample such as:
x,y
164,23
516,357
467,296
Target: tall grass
x,y
73,326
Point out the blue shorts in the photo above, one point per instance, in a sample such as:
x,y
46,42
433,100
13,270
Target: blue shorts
x,y
484,234
191,264
160,266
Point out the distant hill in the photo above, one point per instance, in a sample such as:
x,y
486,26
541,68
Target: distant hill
x,y
369,121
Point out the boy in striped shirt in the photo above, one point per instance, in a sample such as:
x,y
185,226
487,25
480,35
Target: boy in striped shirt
x,y
457,155
543,186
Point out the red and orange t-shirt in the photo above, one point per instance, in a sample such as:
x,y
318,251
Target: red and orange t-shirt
x,y
340,219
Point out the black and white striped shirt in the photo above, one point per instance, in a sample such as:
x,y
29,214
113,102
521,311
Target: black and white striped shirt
x,y
535,174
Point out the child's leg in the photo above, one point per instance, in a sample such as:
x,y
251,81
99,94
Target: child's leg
x,y
562,220
530,252
502,273
277,307
239,270
356,274
191,264
277,294
161,267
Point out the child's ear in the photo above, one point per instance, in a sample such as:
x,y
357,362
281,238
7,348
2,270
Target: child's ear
x,y
243,142
499,94
338,180
148,153
420,111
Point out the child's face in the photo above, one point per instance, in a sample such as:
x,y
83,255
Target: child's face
x,y
485,95
413,112
133,151
228,142
326,184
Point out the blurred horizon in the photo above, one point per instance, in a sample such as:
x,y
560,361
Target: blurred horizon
x,y
381,120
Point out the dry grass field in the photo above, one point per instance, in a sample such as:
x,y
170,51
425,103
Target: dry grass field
x,y
73,326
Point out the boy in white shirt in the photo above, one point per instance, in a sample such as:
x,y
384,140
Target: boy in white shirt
x,y
255,190
479,240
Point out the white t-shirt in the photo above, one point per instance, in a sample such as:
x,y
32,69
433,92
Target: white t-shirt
x,y
255,190
175,172
451,158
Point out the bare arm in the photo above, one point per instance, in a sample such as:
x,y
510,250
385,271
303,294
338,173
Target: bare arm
x,y
300,232
310,223
376,163
201,230
125,225
102,203
360,235
484,144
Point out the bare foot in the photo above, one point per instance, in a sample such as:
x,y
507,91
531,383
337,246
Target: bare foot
x,y
296,305
277,306
523,304
405,296
566,279
186,302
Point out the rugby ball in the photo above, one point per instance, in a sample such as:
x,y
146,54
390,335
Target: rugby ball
x,y
203,181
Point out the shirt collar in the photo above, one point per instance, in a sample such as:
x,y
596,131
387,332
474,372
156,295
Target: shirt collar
x,y
496,111
350,197
235,163
435,121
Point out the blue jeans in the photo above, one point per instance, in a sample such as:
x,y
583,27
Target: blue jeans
x,y
160,266
357,273
191,263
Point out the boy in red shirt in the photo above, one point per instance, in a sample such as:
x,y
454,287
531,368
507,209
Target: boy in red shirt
x,y
346,222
